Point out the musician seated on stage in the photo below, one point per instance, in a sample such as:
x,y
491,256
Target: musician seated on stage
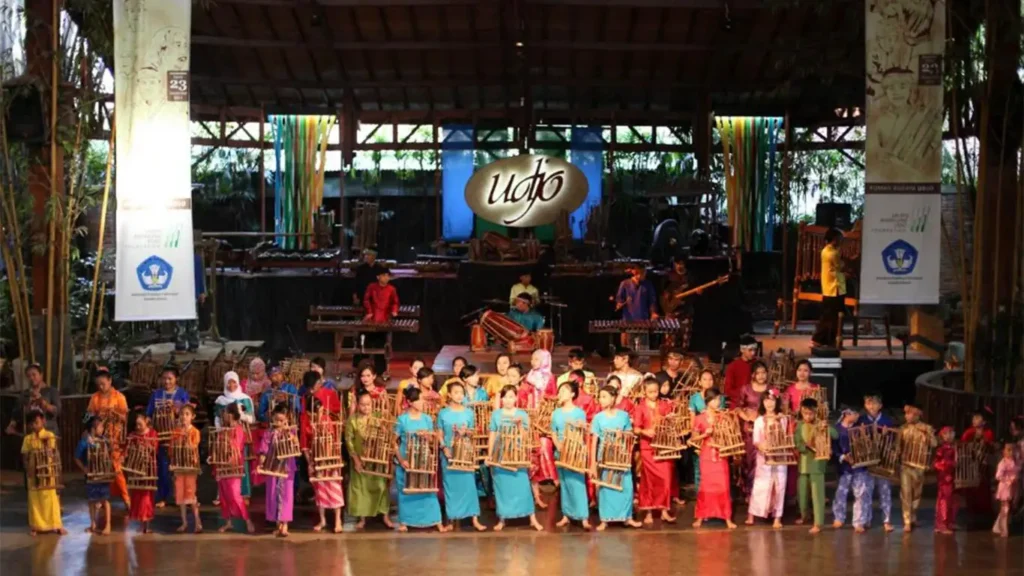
x,y
636,298
523,313
277,387
381,298
577,361
524,285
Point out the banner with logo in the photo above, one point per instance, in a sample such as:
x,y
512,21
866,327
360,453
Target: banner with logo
x,y
155,254
526,190
902,241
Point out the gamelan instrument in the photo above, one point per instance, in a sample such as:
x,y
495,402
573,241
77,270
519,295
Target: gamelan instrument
x,y
614,458
916,446
780,446
139,464
726,435
165,418
506,331
404,311
225,457
144,371
477,338
342,329
43,467
183,456
463,450
821,443
545,338
668,437
421,454
575,452
969,459
284,445
378,448
100,465
326,456
659,326
482,431
888,446
863,446
512,446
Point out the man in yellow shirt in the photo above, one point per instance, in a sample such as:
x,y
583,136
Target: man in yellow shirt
x,y
833,290
524,285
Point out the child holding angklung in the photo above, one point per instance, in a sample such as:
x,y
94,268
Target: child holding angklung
x,y
367,494
768,494
979,498
98,494
538,386
280,489
512,493
873,415
705,381
1007,473
460,489
184,480
655,493
857,478
944,463
572,484
321,403
232,505
43,503
612,505
142,500
421,509
713,499
812,470
911,478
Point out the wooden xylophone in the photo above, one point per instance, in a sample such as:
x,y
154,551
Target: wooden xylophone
x,y
343,329
407,311
659,326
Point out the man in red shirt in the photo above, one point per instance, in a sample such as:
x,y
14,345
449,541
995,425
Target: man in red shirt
x,y
737,373
381,299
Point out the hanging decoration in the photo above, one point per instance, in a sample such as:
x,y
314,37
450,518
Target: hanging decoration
x,y
300,156
749,146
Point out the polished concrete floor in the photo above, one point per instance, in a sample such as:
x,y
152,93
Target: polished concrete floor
x,y
662,549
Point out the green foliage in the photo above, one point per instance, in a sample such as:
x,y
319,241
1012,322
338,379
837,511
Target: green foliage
x,y
223,193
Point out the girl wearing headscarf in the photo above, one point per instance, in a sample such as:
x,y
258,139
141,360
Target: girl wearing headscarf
x,y
233,395
538,386
258,380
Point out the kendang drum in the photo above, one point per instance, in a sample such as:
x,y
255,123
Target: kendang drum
x,y
546,339
507,331
477,338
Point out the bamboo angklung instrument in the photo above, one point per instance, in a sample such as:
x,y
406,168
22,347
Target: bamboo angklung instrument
x,y
688,383
888,447
969,457
668,441
43,467
726,436
183,457
421,453
250,453
575,452
780,447
225,457
100,464
481,433
863,446
113,426
916,447
540,419
463,450
820,393
165,418
378,448
384,406
278,398
822,442
326,454
140,463
512,446
614,458
284,445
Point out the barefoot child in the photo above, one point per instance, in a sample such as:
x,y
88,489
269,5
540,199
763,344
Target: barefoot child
x,y
572,485
849,477
873,415
416,509
230,488
713,499
812,470
944,463
612,505
655,490
512,492
460,490
768,494
281,479
43,503
1006,475
323,404
145,439
97,490
367,494
185,480
911,478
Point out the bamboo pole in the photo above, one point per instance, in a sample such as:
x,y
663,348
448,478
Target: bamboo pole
x,y
99,240
11,213
52,232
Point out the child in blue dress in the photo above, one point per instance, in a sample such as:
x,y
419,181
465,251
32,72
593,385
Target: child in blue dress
x,y
512,492
420,509
612,505
460,494
572,485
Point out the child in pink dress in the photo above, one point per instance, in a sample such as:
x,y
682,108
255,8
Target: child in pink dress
x,y
1006,476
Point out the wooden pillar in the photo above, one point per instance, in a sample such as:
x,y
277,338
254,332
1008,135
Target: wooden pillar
x,y
702,137
436,135
263,174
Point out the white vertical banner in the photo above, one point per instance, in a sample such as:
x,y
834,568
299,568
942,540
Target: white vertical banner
x,y
155,254
902,207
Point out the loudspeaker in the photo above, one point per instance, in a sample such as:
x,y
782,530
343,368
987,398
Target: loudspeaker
x,y
833,215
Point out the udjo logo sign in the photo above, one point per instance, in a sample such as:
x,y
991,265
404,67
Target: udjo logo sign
x,y
526,191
